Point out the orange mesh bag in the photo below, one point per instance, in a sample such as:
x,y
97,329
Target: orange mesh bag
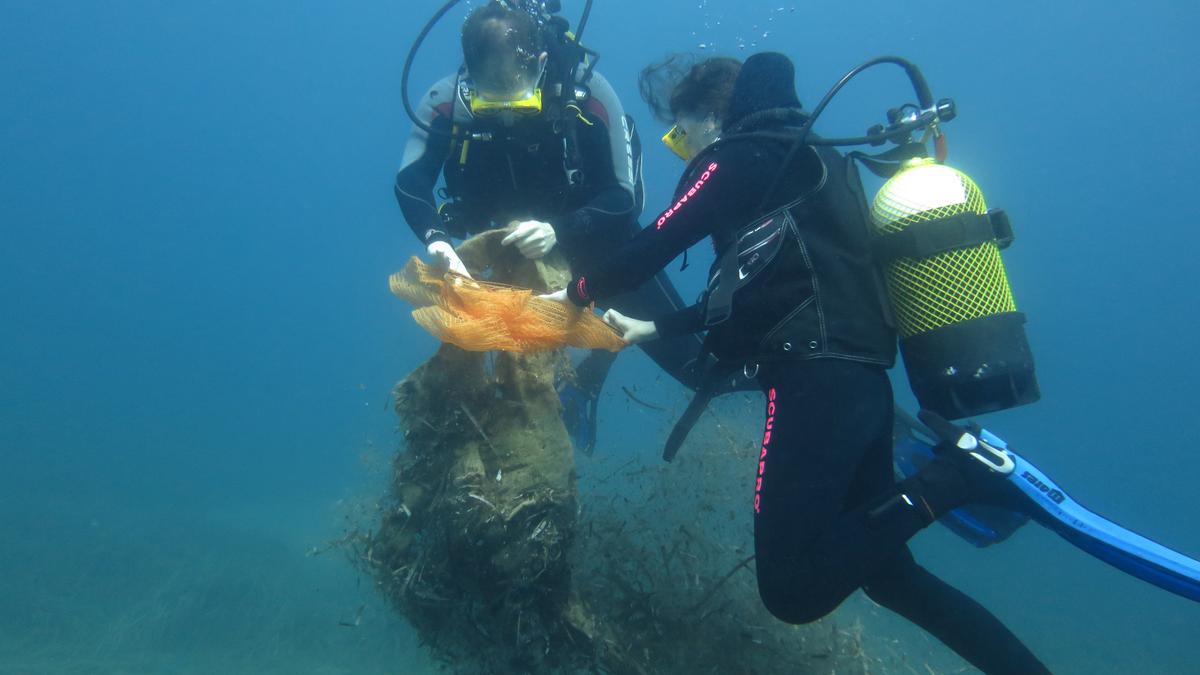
x,y
483,316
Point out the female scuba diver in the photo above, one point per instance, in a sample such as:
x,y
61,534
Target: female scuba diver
x,y
796,300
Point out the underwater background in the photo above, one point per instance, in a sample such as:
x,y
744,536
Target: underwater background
x,y
197,343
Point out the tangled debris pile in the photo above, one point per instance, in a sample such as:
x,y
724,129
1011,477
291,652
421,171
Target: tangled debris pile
x,y
664,561
488,548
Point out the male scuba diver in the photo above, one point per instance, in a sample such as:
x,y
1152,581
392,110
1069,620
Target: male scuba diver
x,y
796,301
527,132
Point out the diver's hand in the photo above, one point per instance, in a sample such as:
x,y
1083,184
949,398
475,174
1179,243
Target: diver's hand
x,y
533,238
632,330
444,256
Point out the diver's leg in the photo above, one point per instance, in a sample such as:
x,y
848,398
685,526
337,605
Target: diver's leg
x,y
675,355
911,591
822,419
828,518
820,532
581,398
961,623
593,370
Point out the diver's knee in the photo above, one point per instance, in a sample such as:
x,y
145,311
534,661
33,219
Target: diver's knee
x,y
882,592
798,611
796,603
897,582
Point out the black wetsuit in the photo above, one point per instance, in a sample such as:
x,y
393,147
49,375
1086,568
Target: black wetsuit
x,y
593,210
829,517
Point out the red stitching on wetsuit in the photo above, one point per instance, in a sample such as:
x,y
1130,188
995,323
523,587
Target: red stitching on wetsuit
x,y
662,220
762,455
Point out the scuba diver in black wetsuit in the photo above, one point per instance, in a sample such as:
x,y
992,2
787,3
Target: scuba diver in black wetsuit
x,y
528,133
797,301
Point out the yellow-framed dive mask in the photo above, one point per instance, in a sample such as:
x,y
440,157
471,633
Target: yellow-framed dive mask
x,y
528,105
676,141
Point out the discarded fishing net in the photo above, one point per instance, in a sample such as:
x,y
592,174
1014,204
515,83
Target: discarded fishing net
x,y
503,565
474,551
482,316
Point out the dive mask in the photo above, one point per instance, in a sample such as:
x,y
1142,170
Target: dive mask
x,y
527,105
676,141
690,135
524,104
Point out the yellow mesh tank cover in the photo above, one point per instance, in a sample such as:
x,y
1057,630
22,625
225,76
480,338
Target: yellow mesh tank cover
x,y
951,287
482,316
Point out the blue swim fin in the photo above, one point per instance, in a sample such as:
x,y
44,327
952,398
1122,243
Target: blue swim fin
x,y
579,416
979,524
1039,497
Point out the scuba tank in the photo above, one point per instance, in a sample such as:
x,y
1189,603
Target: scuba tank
x,y
961,336
938,244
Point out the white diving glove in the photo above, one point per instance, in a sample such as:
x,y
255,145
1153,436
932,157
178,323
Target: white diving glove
x,y
533,238
632,331
557,296
444,256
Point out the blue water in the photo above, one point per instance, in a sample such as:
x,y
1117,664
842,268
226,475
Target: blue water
x,y
197,342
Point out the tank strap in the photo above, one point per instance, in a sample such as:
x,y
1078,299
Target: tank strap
x,y
932,237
